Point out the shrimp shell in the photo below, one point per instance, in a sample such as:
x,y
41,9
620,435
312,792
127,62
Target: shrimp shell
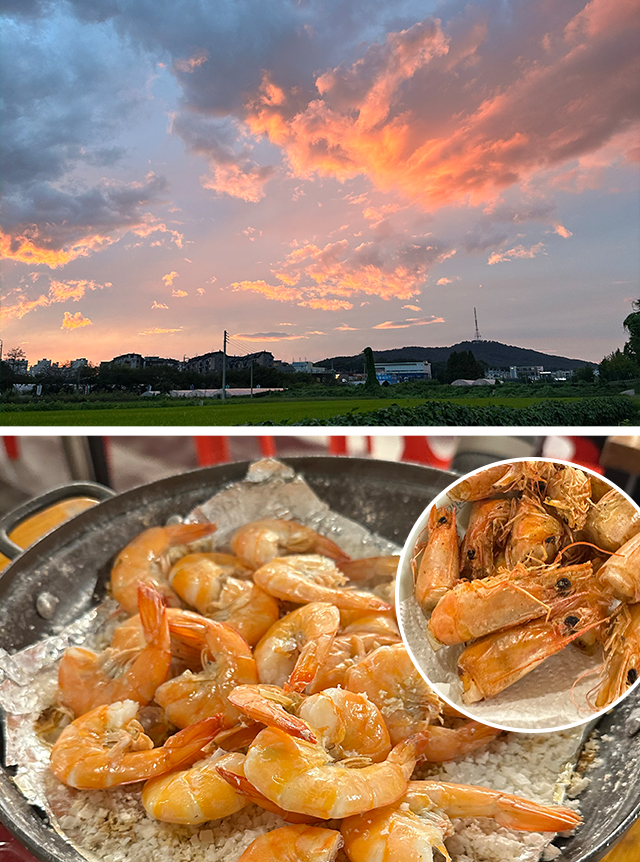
x,y
485,533
107,746
140,561
612,521
312,578
438,569
260,542
295,843
621,572
536,536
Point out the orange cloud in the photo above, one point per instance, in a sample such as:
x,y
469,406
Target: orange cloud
x,y
201,291
371,118
74,321
414,307
159,305
25,248
59,291
269,336
168,278
191,64
177,292
519,251
562,231
239,181
156,330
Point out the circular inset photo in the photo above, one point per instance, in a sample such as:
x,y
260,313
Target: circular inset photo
x,y
518,595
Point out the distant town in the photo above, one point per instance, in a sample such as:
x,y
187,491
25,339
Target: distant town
x,y
214,362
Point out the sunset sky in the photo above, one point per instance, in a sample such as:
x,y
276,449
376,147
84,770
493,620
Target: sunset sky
x,y
316,177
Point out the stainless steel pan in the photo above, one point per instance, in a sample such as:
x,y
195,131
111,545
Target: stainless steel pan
x,y
73,562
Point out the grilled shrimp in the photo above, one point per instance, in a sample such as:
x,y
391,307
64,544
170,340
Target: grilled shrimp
x,y
486,533
496,661
107,746
143,559
87,679
295,843
345,723
612,521
313,578
207,583
295,647
404,831
194,795
408,705
536,537
302,776
227,662
568,491
438,568
621,572
262,541
476,608
622,656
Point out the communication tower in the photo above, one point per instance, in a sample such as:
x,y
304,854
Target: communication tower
x,y
477,336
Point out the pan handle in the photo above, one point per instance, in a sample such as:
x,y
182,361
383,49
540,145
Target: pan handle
x,y
31,507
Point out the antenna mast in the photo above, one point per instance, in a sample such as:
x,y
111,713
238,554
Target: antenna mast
x,y
477,336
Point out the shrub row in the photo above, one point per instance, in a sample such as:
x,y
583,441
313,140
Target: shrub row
x,y
588,411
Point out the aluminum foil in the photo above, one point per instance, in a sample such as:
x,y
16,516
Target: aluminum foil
x,y
28,679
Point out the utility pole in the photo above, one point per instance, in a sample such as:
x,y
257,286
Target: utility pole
x,y
224,365
252,378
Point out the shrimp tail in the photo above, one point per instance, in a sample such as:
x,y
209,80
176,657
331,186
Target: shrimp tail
x,y
194,738
255,701
152,611
440,744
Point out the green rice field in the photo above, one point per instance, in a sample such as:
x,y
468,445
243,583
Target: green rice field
x,y
238,412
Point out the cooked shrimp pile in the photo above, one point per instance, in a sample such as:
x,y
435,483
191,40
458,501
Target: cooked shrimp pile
x,y
282,685
549,558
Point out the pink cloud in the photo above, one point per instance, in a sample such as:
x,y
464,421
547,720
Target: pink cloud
x,y
414,307
156,330
562,231
371,118
410,321
59,291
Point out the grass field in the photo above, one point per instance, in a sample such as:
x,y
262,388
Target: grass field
x,y
231,413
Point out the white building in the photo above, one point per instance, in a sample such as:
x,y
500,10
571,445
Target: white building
x,y
399,372
40,366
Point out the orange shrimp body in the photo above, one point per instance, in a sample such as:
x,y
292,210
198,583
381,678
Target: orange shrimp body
x,y
295,843
536,537
485,534
107,746
87,679
474,609
496,661
622,656
142,560
207,582
262,541
438,569
408,829
227,662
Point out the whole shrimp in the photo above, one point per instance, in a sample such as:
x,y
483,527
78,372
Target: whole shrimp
x,y
295,843
313,578
485,534
303,777
388,677
194,795
262,541
438,568
621,572
143,559
107,746
621,666
528,476
295,647
473,609
420,820
536,536
87,679
227,662
207,582
496,661
568,491
348,648
612,521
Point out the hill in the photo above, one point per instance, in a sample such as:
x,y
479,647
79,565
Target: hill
x,y
494,353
